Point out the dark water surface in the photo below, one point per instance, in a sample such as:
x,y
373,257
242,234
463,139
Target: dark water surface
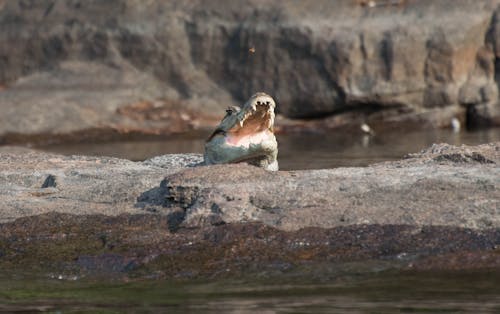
x,y
385,292
297,151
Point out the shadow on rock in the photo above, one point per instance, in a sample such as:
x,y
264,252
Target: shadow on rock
x,y
106,263
157,200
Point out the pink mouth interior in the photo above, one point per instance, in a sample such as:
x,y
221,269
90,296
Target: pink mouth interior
x,y
247,139
253,130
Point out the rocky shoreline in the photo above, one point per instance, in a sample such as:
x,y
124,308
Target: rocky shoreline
x,y
169,217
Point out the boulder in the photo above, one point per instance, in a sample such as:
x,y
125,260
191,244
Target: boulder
x,y
422,189
33,183
172,217
442,186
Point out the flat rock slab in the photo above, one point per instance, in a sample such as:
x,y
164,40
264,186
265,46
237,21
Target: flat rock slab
x,y
33,183
171,217
443,185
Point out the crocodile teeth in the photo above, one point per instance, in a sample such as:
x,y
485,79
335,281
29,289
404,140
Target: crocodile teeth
x,y
241,123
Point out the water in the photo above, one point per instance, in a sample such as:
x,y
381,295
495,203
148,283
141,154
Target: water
x,y
297,151
385,292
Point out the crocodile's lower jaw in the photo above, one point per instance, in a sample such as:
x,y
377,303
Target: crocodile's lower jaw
x,y
261,152
247,140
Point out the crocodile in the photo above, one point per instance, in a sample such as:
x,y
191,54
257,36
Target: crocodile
x,y
245,135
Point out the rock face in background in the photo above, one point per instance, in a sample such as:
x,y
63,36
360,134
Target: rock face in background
x,y
170,66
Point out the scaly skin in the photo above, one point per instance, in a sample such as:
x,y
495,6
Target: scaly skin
x,y
245,135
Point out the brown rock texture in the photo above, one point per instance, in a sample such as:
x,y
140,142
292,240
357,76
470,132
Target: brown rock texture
x,y
444,185
141,246
68,66
170,217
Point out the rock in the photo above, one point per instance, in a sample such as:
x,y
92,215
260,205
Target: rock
x,y
35,183
73,69
131,247
425,187
99,216
173,161
7,149
444,185
80,101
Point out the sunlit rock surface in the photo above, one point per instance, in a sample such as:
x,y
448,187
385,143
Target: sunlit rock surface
x,y
443,185
172,217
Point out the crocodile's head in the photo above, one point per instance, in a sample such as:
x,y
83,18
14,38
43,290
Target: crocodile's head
x,y
245,135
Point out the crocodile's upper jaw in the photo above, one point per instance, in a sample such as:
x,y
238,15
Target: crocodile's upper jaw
x,y
254,123
246,134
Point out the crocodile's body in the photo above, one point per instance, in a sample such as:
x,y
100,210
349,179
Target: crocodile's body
x,y
245,135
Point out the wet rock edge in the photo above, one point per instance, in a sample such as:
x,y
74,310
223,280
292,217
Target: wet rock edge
x,y
140,246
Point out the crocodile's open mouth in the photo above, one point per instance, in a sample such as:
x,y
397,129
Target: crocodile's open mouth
x,y
253,126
